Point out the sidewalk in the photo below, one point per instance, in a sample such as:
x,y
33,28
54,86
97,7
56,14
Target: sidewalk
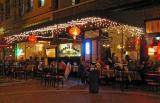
x,y
31,91
9,81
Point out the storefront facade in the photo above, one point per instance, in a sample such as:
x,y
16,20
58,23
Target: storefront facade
x,y
50,23
152,38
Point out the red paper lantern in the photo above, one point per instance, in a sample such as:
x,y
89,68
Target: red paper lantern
x,y
32,38
74,31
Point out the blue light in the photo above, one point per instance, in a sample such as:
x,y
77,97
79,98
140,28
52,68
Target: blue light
x,y
87,48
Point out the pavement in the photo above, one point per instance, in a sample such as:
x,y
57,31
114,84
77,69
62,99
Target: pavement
x,y
32,91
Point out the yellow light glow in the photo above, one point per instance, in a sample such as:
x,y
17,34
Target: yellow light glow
x,y
126,53
104,45
108,45
39,45
22,54
119,47
151,51
51,52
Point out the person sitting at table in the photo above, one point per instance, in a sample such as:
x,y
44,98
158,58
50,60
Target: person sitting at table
x,y
53,65
61,67
40,66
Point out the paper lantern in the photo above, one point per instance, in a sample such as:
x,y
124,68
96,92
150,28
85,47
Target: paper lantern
x,y
74,31
32,38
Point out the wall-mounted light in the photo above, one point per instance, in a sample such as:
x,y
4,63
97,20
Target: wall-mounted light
x,y
88,47
108,45
104,45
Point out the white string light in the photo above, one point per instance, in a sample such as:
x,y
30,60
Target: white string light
x,y
84,24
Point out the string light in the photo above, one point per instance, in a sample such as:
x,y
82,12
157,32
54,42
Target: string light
x,y
84,24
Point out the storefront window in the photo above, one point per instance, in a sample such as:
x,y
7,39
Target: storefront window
x,y
41,3
21,7
29,5
51,52
74,2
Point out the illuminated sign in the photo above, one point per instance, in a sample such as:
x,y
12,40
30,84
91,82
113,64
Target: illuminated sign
x,y
69,50
88,48
18,51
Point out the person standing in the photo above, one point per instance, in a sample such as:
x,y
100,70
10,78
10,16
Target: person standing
x,y
81,72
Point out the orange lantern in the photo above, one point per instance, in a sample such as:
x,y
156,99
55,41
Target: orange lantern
x,y
74,31
32,38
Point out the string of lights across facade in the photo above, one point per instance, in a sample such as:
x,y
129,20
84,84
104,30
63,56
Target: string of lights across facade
x,y
89,23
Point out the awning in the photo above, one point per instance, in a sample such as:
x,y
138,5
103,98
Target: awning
x,y
3,43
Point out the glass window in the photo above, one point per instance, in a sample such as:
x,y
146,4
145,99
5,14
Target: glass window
x,y
29,5
1,12
74,2
21,7
14,2
7,9
55,4
41,3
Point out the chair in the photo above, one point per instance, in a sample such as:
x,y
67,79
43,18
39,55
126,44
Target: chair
x,y
59,77
152,81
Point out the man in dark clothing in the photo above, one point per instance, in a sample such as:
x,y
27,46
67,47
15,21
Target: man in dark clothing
x,y
81,72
